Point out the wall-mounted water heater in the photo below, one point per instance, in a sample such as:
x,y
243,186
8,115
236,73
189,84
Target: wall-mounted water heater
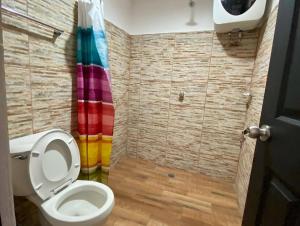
x,y
233,15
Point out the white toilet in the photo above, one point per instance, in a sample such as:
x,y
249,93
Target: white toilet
x,y
45,167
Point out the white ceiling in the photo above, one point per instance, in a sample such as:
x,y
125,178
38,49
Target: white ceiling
x,y
160,16
157,16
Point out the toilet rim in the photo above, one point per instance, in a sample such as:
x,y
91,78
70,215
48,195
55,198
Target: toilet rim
x,y
50,206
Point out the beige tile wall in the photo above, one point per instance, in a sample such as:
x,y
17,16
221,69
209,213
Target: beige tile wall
x,y
119,57
258,83
202,133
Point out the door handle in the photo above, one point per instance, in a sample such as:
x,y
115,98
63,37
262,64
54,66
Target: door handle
x,y
263,133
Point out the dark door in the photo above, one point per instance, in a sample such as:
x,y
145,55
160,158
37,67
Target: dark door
x,y
274,190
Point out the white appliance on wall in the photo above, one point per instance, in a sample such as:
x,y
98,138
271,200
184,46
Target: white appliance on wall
x,y
234,15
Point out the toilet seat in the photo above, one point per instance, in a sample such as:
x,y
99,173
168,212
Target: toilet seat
x,y
67,208
54,163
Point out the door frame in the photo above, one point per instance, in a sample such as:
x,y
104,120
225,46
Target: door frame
x,y
7,211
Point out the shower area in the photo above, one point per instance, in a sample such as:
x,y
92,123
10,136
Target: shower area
x,y
183,93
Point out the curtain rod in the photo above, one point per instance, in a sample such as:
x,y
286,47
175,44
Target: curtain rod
x,y
57,32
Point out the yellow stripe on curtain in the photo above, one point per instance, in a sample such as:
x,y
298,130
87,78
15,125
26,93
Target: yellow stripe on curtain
x,y
95,151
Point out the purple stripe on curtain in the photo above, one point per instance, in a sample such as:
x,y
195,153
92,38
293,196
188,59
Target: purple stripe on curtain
x,y
93,84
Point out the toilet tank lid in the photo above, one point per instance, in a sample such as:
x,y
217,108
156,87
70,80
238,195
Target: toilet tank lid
x,y
26,143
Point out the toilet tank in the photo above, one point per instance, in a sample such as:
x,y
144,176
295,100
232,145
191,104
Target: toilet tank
x,y
20,176
20,149
231,15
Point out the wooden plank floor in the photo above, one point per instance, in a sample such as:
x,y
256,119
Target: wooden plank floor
x,y
145,195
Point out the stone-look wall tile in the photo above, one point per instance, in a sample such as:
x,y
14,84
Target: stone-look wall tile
x,y
18,84
230,72
220,141
152,130
134,94
149,94
120,129
257,90
244,172
154,105
9,21
192,56
16,48
231,69
61,14
152,144
183,148
132,141
190,74
119,56
19,107
53,84
157,58
184,117
213,77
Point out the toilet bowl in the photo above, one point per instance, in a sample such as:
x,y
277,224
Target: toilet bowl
x,y
45,167
82,203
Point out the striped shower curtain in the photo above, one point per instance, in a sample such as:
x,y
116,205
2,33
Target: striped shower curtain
x,y
95,106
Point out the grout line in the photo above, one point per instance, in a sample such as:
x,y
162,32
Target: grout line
x,y
206,91
128,83
170,93
30,75
247,109
140,72
139,96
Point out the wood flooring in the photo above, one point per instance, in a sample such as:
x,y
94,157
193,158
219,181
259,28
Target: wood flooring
x,y
147,195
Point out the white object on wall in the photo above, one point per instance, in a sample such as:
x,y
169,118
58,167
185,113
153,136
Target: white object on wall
x,y
226,22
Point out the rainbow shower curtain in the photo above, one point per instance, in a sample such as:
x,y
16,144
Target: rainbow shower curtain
x,y
95,105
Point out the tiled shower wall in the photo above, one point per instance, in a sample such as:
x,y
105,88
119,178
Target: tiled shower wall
x,y
40,71
119,57
203,132
258,83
